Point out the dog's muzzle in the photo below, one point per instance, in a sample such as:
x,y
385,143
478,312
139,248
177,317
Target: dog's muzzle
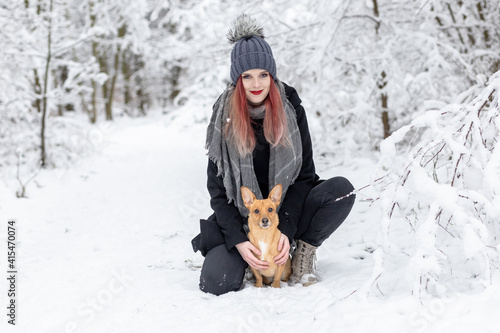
x,y
264,223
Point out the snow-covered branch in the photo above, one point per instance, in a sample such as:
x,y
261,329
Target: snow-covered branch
x,y
447,186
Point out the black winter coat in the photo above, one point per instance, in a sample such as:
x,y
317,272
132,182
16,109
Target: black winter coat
x,y
226,224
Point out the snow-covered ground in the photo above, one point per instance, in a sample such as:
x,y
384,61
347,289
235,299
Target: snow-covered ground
x,y
105,247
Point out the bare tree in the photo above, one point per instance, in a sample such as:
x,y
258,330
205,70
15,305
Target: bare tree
x,y
45,86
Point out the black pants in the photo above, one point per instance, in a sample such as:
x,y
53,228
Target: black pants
x,y
223,270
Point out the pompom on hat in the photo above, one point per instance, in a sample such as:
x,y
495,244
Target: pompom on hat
x,y
250,50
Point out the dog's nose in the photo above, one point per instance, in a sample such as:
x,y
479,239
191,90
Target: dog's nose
x,y
265,220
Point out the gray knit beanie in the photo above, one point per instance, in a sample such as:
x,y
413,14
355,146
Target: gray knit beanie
x,y
250,50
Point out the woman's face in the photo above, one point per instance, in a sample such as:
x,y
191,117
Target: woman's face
x,y
256,83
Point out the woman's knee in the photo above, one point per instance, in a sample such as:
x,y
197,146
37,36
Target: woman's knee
x,y
339,185
328,192
343,194
222,271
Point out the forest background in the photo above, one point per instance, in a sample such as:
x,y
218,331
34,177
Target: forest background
x,y
411,85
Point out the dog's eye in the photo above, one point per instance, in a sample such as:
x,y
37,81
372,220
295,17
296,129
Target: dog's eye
x,y
256,211
270,210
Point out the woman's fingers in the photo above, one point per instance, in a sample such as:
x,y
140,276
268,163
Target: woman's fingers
x,y
250,254
284,248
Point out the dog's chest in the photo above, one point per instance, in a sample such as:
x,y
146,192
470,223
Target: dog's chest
x,y
263,249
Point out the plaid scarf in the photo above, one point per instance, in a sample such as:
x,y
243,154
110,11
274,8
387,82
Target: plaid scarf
x,y
236,171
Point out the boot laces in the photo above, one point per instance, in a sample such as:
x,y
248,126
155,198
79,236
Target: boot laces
x,y
307,259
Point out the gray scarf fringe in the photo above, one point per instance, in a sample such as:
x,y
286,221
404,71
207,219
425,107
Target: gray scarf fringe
x,y
285,162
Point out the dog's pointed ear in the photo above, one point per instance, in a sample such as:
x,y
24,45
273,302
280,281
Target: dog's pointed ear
x,y
275,194
247,196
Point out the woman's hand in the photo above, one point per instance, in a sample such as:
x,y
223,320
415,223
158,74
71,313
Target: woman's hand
x,y
249,252
284,248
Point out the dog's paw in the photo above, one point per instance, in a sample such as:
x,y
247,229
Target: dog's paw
x,y
276,284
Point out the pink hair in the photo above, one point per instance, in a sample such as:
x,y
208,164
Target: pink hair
x,y
240,127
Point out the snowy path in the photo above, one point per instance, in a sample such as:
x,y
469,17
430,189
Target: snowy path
x,y
105,247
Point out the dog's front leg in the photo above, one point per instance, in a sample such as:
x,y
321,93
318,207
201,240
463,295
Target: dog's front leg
x,y
258,277
277,276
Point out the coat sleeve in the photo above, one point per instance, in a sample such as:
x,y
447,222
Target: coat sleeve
x,y
291,208
227,214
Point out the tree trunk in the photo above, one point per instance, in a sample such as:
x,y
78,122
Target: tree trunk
x,y
126,72
482,9
45,87
385,116
140,92
93,98
93,103
109,102
462,40
112,83
92,111
381,84
37,88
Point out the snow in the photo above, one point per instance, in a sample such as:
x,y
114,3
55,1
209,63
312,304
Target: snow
x,y
105,247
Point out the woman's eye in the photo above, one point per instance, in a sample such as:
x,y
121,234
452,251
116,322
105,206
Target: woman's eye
x,y
245,77
256,211
264,75
270,210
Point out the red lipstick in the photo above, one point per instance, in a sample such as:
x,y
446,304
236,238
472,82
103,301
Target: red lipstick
x,y
258,92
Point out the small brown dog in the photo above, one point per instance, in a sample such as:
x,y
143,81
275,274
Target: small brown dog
x,y
265,235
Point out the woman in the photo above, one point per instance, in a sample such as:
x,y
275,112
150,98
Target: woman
x,y
258,137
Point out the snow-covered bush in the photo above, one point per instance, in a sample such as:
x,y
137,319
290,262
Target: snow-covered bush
x,y
444,189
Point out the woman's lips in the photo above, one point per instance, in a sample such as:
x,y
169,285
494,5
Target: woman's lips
x,y
258,92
